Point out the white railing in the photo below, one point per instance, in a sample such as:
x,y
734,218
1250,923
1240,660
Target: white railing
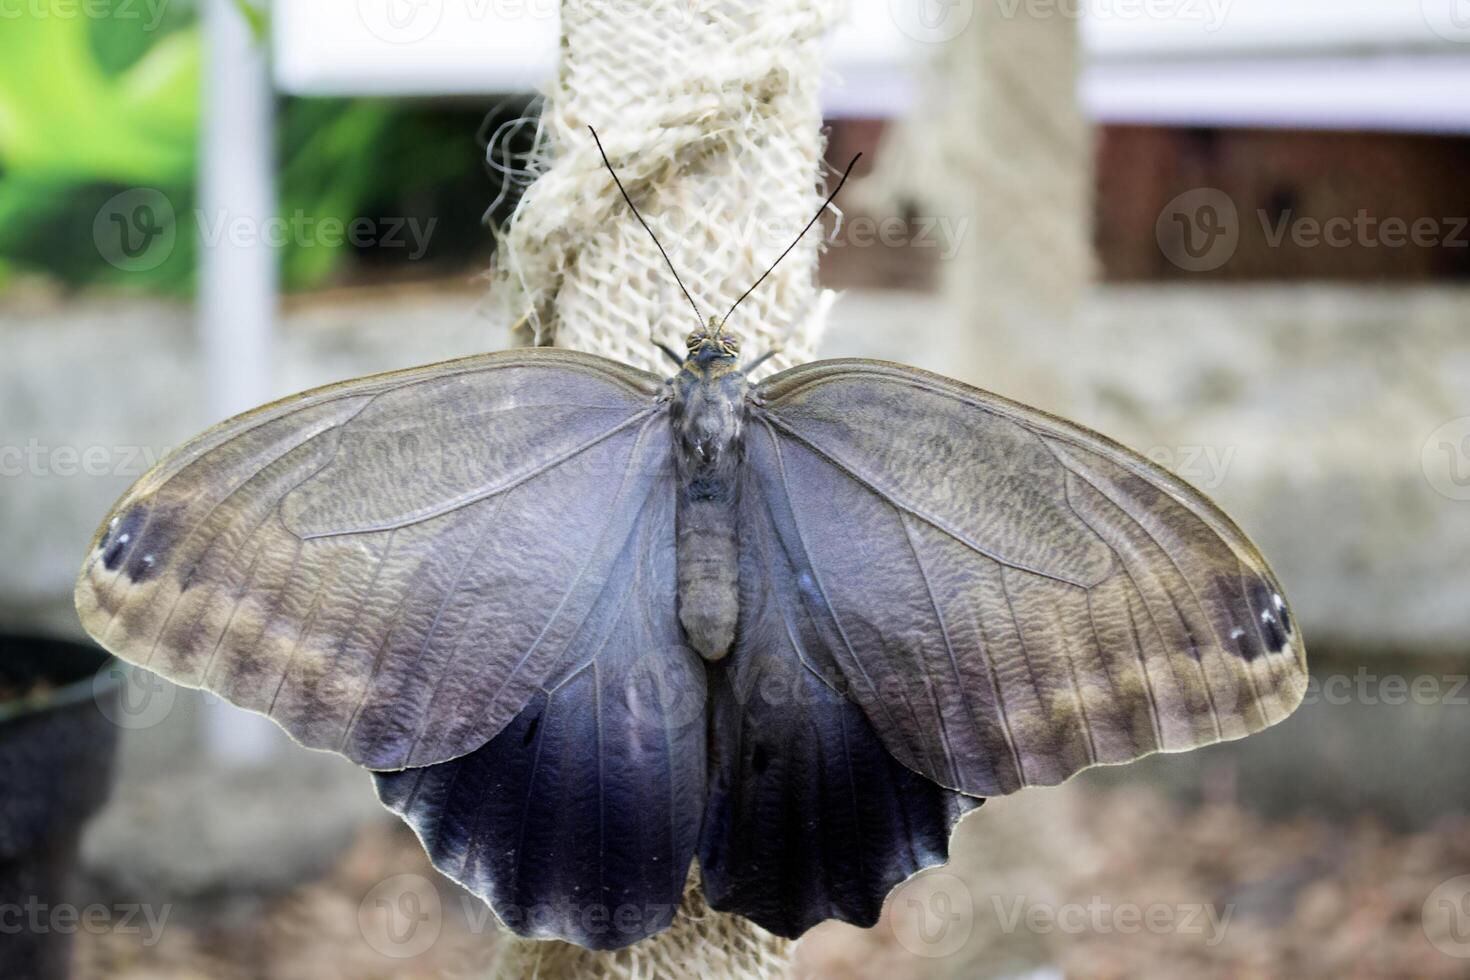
x,y
1375,64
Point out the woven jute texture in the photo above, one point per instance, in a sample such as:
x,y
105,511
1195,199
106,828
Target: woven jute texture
x,y
710,113
700,944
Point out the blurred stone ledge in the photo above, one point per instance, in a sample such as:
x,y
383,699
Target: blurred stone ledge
x,y
1305,410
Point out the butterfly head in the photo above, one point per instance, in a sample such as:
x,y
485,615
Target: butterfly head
x,y
712,343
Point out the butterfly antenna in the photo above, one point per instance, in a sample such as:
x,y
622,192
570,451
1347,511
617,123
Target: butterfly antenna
x,y
852,163
607,163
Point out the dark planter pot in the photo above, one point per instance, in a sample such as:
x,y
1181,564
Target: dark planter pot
x,y
56,752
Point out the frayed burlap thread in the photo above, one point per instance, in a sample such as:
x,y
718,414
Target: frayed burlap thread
x,y
711,114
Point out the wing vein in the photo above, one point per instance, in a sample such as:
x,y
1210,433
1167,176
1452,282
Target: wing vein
x,y
1188,631
775,420
586,565
817,578
1000,698
948,649
449,594
474,497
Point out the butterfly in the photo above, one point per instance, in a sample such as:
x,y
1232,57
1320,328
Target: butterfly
x,y
585,624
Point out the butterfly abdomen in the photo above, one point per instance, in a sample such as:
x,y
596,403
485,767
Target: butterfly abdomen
x,y
709,586
708,416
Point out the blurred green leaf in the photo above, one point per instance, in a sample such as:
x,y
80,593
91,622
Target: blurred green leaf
x,y
91,108
256,18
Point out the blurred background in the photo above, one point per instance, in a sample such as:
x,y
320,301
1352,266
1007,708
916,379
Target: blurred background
x,y
1233,234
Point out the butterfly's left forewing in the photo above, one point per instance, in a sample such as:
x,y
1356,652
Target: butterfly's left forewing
x,y
1009,597
389,567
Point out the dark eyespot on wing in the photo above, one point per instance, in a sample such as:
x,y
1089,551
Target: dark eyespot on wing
x,y
1260,620
411,589
1056,602
1270,611
138,541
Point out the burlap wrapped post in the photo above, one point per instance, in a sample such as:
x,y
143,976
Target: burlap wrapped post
x,y
998,137
710,112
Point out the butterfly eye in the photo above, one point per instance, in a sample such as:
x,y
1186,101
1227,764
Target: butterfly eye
x,y
694,340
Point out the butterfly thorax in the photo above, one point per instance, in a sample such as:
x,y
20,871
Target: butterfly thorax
x,y
708,415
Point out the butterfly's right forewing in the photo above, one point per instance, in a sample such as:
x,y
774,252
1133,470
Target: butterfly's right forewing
x,y
1010,597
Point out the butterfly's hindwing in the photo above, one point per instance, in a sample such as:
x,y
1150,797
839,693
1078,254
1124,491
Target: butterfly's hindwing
x,y
809,816
579,820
